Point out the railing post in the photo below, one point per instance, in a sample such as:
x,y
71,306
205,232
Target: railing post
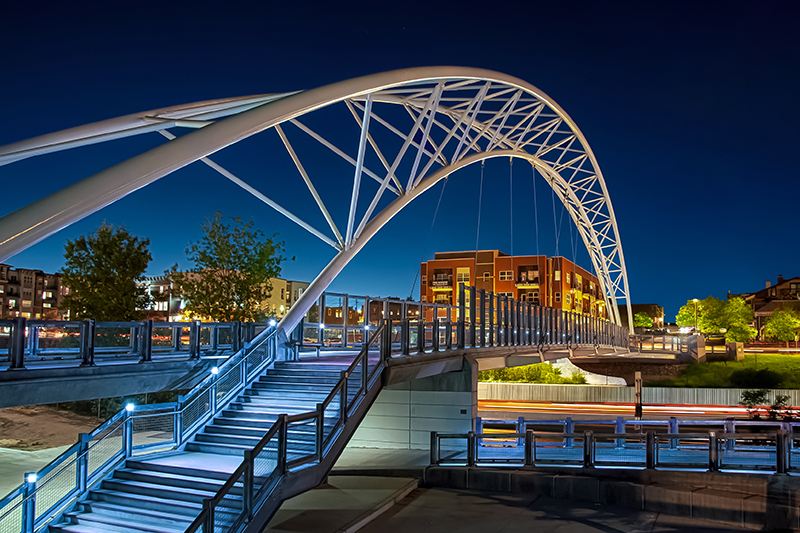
x,y
729,428
247,489
483,317
194,339
29,503
405,336
650,449
177,430
213,400
568,427
421,332
320,433
620,430
435,331
282,444
780,452
713,452
18,343
83,462
471,448
461,325
491,318
127,432
529,447
33,340
87,342
472,316
208,523
588,449
236,335
434,448
146,346
674,429
386,341
343,400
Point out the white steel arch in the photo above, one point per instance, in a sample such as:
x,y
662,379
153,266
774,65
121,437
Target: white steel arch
x,y
453,117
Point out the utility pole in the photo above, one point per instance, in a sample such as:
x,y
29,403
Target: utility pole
x,y
638,395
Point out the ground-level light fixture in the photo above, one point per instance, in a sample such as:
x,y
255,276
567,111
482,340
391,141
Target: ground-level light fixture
x,y
30,478
215,370
272,323
129,407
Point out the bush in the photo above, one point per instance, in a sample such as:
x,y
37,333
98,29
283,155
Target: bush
x,y
758,379
538,373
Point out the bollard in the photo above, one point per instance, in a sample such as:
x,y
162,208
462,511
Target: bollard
x,y
87,342
434,448
650,449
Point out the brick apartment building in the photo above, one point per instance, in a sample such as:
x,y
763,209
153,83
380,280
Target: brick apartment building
x,y
783,293
547,281
32,294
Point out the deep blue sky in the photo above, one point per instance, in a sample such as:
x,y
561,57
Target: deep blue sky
x,y
690,107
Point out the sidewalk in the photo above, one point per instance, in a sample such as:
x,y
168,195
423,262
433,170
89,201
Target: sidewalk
x,y
17,463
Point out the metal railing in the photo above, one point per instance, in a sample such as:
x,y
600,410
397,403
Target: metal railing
x,y
294,442
711,451
134,430
480,319
85,341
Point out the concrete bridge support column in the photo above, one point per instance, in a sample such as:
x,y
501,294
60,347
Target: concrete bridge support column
x,y
404,414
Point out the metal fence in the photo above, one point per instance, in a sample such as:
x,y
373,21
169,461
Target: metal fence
x,y
134,430
90,341
711,451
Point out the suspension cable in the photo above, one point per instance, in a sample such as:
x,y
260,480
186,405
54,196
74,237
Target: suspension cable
x,y
480,202
535,207
425,249
511,200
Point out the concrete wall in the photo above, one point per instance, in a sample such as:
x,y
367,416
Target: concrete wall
x,y
404,414
611,393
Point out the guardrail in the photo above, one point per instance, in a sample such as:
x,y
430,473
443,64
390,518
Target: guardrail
x,y
135,429
47,340
481,319
711,451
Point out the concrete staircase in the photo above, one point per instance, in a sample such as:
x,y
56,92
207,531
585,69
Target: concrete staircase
x,y
165,492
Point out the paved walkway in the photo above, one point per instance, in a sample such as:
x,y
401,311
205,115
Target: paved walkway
x,y
14,464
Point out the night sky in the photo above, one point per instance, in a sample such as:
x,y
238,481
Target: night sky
x,y
691,109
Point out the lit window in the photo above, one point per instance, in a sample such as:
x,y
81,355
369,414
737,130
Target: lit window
x,y
487,276
2,289
568,277
557,275
423,298
506,275
424,279
47,305
26,303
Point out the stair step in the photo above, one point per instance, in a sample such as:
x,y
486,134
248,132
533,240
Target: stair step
x,y
171,480
123,525
293,387
158,491
140,501
295,441
85,528
311,366
137,514
318,380
270,409
135,464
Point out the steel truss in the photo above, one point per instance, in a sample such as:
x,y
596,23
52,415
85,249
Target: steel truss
x,y
453,117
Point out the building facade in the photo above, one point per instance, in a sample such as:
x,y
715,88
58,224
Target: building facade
x,y
783,293
28,293
547,281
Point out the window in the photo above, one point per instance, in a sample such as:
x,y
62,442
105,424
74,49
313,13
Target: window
x,y
47,305
567,297
12,304
26,303
568,280
462,275
443,299
283,296
423,298
424,279
558,295
507,294
591,285
487,276
557,275
506,275
2,289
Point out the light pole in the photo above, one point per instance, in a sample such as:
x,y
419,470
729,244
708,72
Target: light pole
x,y
695,315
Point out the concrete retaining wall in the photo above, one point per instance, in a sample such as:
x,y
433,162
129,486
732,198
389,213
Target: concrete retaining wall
x,y
535,392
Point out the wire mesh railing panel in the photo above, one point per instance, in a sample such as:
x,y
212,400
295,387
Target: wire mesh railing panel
x,y
748,453
196,409
56,484
611,450
301,440
568,452
499,448
266,461
354,385
154,428
11,516
229,512
688,453
453,450
229,381
332,415
102,450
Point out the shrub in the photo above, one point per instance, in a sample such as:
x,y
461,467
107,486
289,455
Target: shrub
x,y
538,373
758,379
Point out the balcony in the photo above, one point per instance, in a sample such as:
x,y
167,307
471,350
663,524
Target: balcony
x,y
524,283
441,283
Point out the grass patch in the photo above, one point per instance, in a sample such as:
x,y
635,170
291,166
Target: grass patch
x,y
538,373
780,371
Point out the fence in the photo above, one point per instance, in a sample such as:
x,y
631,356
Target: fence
x,y
480,319
36,340
771,452
134,430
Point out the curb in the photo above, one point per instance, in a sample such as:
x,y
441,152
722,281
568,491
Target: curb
x,y
371,514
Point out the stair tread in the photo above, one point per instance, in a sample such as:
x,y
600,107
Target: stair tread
x,y
169,476
142,525
165,488
100,506
144,498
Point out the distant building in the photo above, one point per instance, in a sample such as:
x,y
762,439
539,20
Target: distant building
x,y
168,305
32,294
785,292
548,281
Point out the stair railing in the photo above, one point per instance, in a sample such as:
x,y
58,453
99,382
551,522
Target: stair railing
x,y
252,485
48,492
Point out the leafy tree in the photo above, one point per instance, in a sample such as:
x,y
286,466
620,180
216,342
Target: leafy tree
x,y
733,316
102,270
642,320
752,399
233,264
782,325
686,316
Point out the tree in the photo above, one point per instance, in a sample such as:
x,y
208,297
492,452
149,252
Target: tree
x,y
102,270
733,317
738,317
230,279
752,399
782,325
642,320
686,314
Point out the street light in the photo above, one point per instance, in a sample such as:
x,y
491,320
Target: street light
x,y
695,315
